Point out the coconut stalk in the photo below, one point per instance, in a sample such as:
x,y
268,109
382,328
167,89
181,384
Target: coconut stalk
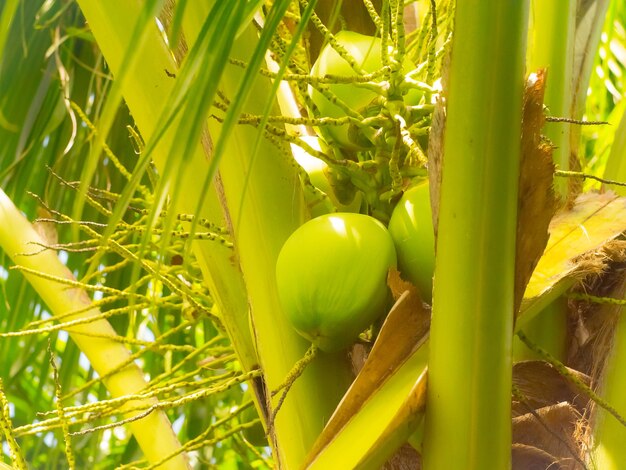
x,y
266,207
109,358
468,417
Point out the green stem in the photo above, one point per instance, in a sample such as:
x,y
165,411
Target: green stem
x,y
551,46
298,368
468,414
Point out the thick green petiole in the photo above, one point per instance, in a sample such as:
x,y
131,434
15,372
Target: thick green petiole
x,y
468,421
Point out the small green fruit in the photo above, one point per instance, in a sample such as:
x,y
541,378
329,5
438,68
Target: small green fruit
x,y
411,227
367,52
332,277
317,169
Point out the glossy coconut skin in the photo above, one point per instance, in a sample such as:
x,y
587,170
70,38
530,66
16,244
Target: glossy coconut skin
x,y
332,277
367,52
411,227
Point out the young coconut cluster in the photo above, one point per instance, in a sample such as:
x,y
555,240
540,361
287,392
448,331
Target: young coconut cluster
x,y
332,272
380,100
372,119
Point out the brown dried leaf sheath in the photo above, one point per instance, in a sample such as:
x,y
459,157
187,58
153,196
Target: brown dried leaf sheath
x,y
542,385
551,429
537,201
530,458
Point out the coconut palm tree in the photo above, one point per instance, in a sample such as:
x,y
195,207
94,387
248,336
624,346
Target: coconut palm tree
x,y
155,156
